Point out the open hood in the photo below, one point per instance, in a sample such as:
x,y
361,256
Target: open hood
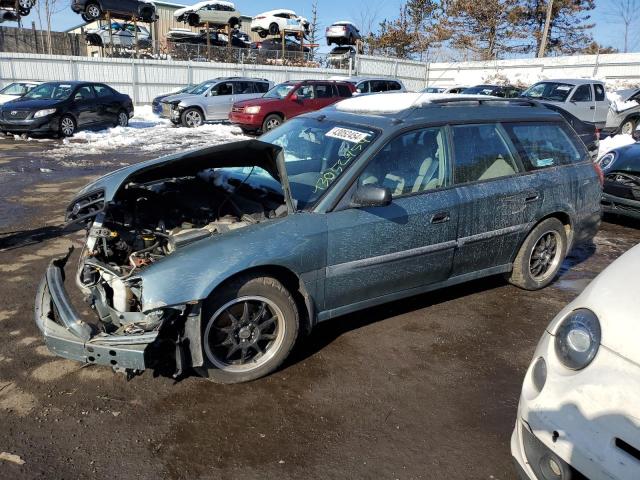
x,y
95,197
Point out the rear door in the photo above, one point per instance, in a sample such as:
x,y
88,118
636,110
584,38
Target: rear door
x,y
378,251
581,103
107,104
496,202
325,95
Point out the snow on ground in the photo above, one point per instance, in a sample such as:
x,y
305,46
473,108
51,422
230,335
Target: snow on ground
x,y
609,143
148,133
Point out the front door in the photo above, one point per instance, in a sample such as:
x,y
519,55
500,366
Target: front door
x,y
304,101
496,204
377,251
219,101
581,103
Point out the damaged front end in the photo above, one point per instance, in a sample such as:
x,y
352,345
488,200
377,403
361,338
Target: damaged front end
x,y
135,218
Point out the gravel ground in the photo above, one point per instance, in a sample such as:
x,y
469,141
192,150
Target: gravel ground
x,y
422,388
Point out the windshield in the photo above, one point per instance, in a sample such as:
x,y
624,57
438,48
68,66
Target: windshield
x,y
50,91
188,89
480,90
316,153
554,91
279,91
203,87
16,89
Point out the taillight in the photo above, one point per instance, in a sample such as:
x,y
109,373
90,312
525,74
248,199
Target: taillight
x,y
600,173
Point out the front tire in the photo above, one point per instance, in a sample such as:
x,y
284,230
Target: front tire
x,y
194,20
274,29
248,329
271,121
67,126
262,34
541,255
192,118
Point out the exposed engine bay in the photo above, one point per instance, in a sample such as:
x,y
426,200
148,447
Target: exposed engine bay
x,y
145,222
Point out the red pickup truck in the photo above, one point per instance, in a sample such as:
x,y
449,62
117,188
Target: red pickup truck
x,y
285,101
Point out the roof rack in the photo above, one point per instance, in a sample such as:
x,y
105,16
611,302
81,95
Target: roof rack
x,y
482,101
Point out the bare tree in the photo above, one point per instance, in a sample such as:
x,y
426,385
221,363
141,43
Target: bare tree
x,y
315,28
626,12
366,18
45,10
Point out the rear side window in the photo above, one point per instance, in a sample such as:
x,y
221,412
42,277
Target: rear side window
x,y
324,91
378,86
582,94
103,90
544,145
343,90
242,88
261,87
481,153
393,86
599,90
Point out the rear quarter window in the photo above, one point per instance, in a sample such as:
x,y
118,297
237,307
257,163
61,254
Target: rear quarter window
x,y
544,145
343,90
262,87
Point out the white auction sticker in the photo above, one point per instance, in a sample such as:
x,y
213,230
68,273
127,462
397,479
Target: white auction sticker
x,y
347,134
564,88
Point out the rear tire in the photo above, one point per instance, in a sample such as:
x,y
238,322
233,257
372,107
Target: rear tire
x,y
67,126
93,11
628,126
248,329
541,255
147,14
262,34
271,121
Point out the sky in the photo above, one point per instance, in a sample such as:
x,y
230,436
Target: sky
x,y
607,32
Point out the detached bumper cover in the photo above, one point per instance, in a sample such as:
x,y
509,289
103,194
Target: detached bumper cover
x,y
68,336
620,205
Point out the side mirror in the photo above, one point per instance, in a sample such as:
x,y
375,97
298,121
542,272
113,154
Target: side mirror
x,y
294,97
371,196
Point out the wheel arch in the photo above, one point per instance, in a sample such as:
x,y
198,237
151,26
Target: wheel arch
x,y
563,216
290,280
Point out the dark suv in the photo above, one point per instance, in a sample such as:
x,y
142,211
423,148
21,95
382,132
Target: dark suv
x,y
225,255
92,10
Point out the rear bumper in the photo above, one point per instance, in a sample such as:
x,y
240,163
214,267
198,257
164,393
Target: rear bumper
x,y
68,336
620,206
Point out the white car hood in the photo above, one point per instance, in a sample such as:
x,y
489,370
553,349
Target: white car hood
x,y
614,296
6,98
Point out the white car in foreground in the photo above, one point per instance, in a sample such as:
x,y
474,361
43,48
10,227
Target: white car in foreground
x,y
579,412
275,21
16,90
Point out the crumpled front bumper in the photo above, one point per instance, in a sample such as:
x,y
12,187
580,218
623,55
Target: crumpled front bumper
x,y
67,335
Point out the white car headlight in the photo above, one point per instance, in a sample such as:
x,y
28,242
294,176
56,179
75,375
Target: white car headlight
x,y
578,339
607,160
252,110
44,113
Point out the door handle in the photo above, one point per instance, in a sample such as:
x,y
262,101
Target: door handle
x,y
440,217
592,107
531,198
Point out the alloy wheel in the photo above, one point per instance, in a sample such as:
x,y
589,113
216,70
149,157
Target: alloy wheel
x,y
545,256
244,334
123,119
273,123
67,127
193,119
93,11
627,127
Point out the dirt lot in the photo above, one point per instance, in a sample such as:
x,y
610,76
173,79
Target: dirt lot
x,y
423,388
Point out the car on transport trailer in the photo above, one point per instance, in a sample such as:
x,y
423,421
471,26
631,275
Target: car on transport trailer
x,y
220,258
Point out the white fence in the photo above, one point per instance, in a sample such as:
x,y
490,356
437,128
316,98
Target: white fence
x,y
141,79
618,70
144,79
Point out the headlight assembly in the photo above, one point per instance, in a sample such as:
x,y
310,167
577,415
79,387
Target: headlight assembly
x,y
578,339
607,160
44,113
252,110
